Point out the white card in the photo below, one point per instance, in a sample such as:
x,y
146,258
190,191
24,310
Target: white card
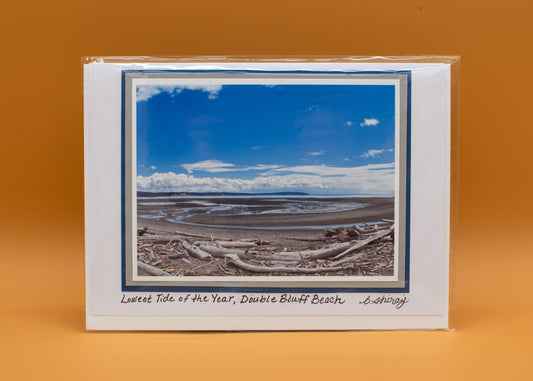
x,y
267,195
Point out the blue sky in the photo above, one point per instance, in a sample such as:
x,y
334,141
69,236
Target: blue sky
x,y
320,139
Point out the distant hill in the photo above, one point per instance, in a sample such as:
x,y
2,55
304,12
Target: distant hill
x,y
217,194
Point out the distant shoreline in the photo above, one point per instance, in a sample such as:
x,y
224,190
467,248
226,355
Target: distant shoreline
x,y
266,195
217,194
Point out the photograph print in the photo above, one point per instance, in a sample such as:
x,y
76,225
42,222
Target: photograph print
x,y
293,179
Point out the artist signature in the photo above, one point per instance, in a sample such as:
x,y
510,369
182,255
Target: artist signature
x,y
397,301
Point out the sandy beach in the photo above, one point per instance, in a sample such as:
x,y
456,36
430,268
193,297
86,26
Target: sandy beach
x,y
374,210
164,223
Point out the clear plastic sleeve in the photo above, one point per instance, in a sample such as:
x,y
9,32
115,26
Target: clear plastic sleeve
x,y
271,193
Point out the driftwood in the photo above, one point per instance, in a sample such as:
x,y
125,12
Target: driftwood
x,y
365,242
261,257
336,250
176,256
347,258
236,244
315,254
328,252
154,238
274,257
201,236
230,244
285,263
234,260
144,269
220,252
370,229
310,254
305,239
195,251
359,230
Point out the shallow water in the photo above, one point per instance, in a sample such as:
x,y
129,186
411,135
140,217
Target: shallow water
x,y
247,206
155,203
179,221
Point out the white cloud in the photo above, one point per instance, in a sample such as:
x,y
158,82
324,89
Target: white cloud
x,y
214,166
375,153
145,92
319,153
153,167
369,179
260,167
256,147
349,123
370,122
208,166
327,171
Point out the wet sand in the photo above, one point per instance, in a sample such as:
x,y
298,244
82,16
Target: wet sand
x,y
375,210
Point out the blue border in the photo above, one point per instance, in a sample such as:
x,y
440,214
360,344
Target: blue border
x,y
230,289
123,181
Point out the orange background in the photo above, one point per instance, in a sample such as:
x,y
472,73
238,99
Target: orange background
x,y
41,153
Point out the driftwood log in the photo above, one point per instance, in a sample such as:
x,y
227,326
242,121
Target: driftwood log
x,y
194,251
221,252
319,253
364,243
200,236
145,269
236,244
234,260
